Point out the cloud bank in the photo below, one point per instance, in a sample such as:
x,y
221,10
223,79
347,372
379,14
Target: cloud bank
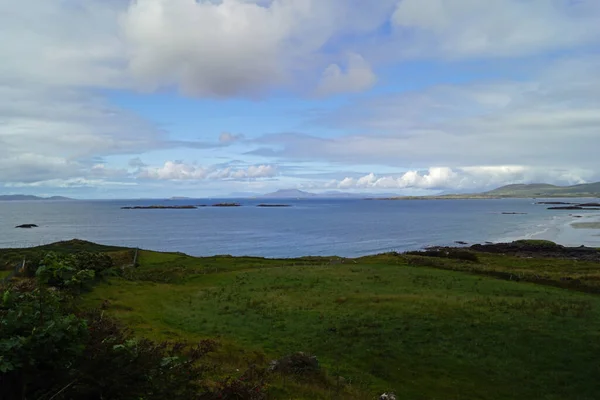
x,y
174,170
521,93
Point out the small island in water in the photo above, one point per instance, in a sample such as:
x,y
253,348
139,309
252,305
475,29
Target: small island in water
x,y
193,207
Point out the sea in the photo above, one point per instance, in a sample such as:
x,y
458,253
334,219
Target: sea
x,y
321,227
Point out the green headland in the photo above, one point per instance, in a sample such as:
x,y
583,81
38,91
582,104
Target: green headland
x,y
514,321
535,190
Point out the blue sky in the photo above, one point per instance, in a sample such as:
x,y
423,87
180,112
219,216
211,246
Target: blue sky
x,y
157,98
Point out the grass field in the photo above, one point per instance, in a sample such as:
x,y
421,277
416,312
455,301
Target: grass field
x,y
424,328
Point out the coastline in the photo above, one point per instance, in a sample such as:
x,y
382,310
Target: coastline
x,y
573,231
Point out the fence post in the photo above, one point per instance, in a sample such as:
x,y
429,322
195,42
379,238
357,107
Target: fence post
x,y
135,256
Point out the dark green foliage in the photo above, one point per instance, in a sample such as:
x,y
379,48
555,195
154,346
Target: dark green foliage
x,y
250,386
46,351
116,365
97,262
297,364
40,342
547,244
63,272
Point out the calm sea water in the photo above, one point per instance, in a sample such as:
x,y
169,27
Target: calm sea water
x,y
309,227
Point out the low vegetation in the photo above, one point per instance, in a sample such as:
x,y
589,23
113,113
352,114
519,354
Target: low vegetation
x,y
445,323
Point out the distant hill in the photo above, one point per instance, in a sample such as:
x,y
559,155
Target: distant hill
x,y
546,190
332,194
518,191
23,197
289,194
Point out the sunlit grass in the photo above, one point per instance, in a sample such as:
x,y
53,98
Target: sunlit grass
x,y
381,322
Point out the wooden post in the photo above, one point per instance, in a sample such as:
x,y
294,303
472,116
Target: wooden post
x,y
135,256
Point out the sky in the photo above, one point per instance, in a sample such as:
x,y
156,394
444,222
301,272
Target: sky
x,y
208,98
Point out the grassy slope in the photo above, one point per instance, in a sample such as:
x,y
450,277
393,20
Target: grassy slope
x,y
539,190
10,256
519,191
382,322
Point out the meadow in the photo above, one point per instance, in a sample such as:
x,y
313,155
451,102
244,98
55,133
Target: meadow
x,y
500,327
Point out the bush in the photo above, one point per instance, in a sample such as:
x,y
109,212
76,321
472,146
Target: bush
x,y
63,273
97,262
118,366
250,386
296,364
47,351
542,244
40,342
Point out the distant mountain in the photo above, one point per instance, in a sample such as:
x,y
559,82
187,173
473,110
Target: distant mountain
x,y
332,194
518,191
546,190
338,194
290,194
23,197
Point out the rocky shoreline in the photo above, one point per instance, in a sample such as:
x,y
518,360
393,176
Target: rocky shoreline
x,y
573,206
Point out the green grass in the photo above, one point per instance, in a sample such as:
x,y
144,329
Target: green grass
x,y
425,328
11,257
576,275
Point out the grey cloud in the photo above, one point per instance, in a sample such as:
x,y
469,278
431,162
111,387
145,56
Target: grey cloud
x,y
228,138
356,77
136,163
246,48
493,28
181,171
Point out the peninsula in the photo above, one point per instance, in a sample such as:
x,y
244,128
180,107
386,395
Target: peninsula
x,y
27,197
534,190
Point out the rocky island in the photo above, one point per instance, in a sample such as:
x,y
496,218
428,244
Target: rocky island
x,y
27,226
159,207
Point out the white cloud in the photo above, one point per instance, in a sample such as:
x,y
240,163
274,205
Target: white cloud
x,y
504,28
177,170
50,132
71,183
62,43
57,126
356,77
462,179
549,122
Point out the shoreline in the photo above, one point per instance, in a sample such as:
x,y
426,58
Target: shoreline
x,y
574,231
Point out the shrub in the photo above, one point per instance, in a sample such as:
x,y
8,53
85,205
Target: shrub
x,y
62,272
39,344
296,364
97,262
251,386
118,366
545,244
47,351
